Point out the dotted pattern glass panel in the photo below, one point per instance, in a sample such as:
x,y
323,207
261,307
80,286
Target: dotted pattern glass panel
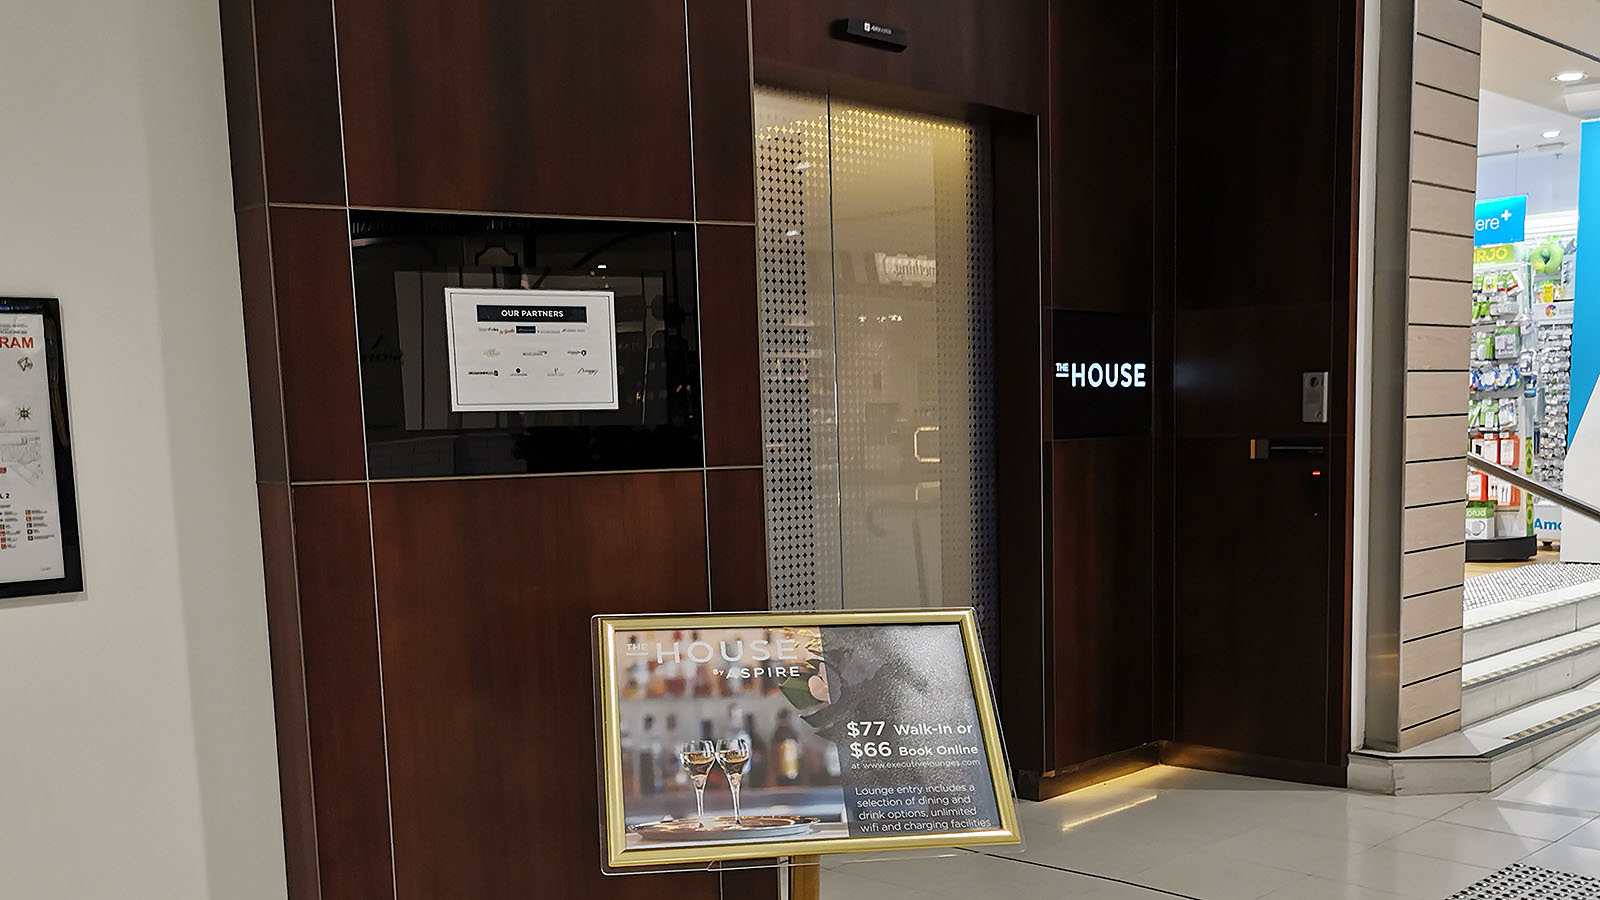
x,y
897,310
797,380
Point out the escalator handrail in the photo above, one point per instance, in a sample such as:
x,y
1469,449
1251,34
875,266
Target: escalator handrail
x,y
1565,501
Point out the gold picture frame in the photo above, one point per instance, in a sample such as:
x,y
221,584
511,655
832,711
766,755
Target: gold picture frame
x,y
620,856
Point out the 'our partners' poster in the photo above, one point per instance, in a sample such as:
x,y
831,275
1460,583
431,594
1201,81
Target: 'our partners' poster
x,y
822,732
30,509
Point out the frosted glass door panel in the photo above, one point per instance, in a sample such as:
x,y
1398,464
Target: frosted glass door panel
x,y
877,359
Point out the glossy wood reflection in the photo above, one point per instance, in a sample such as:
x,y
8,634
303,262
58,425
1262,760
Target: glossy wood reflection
x,y
575,109
719,76
1101,633
486,589
730,343
317,344
968,51
344,690
289,690
736,535
299,97
261,346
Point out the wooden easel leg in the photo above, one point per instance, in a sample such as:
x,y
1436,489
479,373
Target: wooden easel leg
x,y
805,878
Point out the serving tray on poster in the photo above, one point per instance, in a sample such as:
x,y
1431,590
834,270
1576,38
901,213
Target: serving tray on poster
x,y
746,828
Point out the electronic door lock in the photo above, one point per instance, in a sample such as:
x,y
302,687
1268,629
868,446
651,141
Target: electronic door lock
x,y
1314,396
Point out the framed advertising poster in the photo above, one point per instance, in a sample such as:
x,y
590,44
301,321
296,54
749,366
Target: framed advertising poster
x,y
747,735
39,551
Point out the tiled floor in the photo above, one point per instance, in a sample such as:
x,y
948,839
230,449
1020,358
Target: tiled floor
x,y
1168,832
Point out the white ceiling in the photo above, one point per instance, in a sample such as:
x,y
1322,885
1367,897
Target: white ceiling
x,y
1519,100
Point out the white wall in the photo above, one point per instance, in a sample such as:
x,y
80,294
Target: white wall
x,y
136,737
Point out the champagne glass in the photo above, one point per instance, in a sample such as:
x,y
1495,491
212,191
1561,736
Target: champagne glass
x,y
698,757
733,754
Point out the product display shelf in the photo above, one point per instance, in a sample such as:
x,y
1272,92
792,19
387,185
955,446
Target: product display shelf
x,y
1501,410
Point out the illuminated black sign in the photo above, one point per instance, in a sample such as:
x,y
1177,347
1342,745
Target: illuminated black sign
x,y
1101,373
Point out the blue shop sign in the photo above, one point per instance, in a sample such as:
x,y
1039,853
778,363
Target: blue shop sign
x,y
1499,221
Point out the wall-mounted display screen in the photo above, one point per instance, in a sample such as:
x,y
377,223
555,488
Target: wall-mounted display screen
x,y
1101,374
449,308
531,350
39,552
746,735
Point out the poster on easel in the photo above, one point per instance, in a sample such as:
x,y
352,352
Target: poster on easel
x,y
756,735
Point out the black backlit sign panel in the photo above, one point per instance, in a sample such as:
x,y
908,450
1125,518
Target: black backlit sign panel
x,y
1101,373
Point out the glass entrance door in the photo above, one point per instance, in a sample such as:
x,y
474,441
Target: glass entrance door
x,y
877,356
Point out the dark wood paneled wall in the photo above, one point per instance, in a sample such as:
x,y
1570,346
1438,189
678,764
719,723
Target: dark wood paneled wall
x,y
1101,500
430,637
1264,161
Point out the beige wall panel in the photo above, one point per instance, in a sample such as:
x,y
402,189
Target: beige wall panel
x,y
1429,699
1439,303
1446,66
1441,209
1437,481
1436,729
1443,114
1444,162
1440,256
1437,347
1432,570
1454,21
1438,437
1430,613
1430,656
1433,526
1436,394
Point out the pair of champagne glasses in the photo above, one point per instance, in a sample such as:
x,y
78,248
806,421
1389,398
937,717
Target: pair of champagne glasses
x,y
732,754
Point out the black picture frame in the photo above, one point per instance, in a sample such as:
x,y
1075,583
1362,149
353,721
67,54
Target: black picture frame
x,y
71,581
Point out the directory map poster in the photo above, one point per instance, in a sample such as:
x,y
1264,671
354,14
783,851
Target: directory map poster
x,y
526,350
734,736
38,529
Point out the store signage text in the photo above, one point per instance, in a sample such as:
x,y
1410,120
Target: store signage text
x,y
1130,375
1499,221
1495,253
911,271
1101,374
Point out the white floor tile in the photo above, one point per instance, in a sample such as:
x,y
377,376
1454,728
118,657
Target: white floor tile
x,y
838,885
1108,890
1445,840
1311,888
1561,790
1587,836
1408,874
1425,806
1566,857
1114,856
1287,848
1582,758
970,875
1540,823
1357,824
1211,877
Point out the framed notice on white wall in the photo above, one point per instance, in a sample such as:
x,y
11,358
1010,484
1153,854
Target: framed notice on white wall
x,y
523,350
39,550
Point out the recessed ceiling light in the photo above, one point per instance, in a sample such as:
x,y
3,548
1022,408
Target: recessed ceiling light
x,y
1553,133
1573,75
